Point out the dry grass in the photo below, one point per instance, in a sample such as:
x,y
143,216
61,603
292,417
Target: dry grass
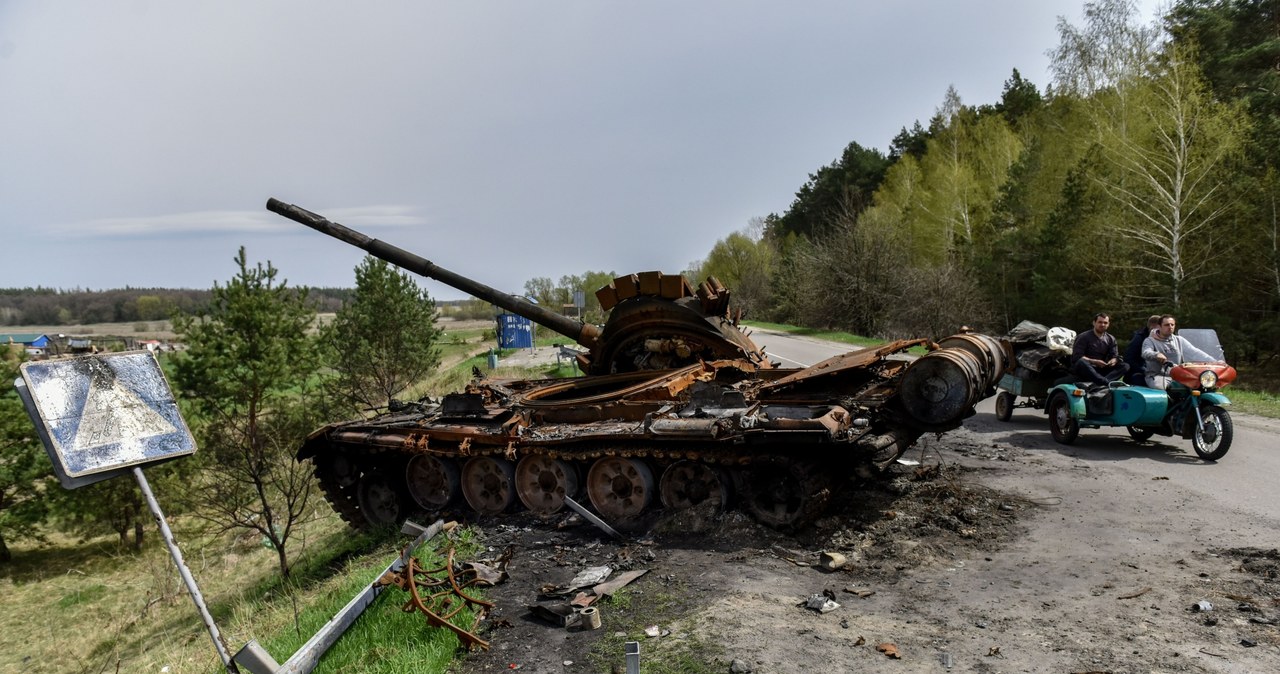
x,y
94,607
162,330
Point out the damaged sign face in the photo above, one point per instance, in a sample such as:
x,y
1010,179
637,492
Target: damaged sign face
x,y
105,412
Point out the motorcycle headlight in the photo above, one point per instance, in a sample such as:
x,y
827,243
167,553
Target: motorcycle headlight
x,y
1208,379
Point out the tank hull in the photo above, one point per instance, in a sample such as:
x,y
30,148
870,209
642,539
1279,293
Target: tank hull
x,y
774,442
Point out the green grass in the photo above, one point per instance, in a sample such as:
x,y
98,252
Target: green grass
x,y
559,372
1261,403
385,640
75,606
829,335
460,343
685,651
84,595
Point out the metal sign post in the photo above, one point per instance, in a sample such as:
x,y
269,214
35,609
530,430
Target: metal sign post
x,y
223,651
102,416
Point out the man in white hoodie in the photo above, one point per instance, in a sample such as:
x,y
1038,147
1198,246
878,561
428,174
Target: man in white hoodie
x,y
1162,346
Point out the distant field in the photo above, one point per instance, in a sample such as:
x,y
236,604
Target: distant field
x,y
163,330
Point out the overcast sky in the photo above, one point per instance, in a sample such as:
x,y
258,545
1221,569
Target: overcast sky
x,y
140,140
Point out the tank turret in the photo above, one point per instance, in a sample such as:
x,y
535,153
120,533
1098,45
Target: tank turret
x,y
656,321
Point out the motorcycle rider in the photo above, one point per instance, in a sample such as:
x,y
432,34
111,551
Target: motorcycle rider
x,y
1162,346
1137,375
1095,358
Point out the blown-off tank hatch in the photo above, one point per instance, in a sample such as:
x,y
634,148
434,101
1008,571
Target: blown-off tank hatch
x,y
678,408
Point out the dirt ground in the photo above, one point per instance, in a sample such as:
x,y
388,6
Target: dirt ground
x,y
983,557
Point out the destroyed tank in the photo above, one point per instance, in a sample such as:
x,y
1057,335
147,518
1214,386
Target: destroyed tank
x,y
678,408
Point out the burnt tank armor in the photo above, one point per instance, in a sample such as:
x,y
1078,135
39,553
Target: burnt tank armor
x,y
678,408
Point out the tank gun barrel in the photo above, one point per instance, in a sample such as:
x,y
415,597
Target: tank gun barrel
x,y
585,334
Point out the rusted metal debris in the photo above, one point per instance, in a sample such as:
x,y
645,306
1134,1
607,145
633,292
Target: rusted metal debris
x,y
445,596
1135,595
889,649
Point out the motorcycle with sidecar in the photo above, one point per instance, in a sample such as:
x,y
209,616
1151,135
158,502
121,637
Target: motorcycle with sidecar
x,y
1192,407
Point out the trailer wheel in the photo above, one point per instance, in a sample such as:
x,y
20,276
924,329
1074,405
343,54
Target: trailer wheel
x,y
1004,405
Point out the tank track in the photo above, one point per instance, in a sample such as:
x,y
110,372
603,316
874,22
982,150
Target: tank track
x,y
809,475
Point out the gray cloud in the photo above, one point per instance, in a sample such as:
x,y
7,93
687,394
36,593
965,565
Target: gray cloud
x,y
227,222
140,140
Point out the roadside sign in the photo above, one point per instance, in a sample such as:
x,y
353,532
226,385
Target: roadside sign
x,y
101,413
105,415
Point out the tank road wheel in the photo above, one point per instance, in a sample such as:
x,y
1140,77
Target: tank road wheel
x,y
1140,434
620,489
381,499
787,495
1004,405
543,482
489,483
433,481
338,468
685,484
1212,441
1062,427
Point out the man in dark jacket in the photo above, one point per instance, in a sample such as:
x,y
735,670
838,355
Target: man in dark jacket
x,y
1133,353
1095,357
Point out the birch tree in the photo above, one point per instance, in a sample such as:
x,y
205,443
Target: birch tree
x,y
1112,50
968,160
1170,158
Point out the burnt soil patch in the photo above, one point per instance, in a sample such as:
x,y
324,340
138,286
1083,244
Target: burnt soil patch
x,y
911,517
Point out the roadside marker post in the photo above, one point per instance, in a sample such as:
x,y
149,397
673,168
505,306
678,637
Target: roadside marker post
x,y
633,657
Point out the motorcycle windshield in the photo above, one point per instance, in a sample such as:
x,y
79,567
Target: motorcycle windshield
x,y
1205,339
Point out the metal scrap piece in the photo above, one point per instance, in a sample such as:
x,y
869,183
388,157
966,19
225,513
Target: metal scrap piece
x,y
607,588
590,576
821,604
439,604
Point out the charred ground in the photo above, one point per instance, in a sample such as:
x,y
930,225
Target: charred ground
x,y
914,516
965,558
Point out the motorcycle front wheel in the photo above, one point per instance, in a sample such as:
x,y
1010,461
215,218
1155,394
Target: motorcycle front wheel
x,y
1212,439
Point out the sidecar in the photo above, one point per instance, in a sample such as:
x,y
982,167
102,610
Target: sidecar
x,y
1191,407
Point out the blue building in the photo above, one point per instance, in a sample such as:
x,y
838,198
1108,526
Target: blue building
x,y
34,344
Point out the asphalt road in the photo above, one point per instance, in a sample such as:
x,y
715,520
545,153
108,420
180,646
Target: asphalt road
x,y
1244,480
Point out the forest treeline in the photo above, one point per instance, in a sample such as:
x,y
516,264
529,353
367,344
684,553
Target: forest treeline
x,y
1143,179
51,306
